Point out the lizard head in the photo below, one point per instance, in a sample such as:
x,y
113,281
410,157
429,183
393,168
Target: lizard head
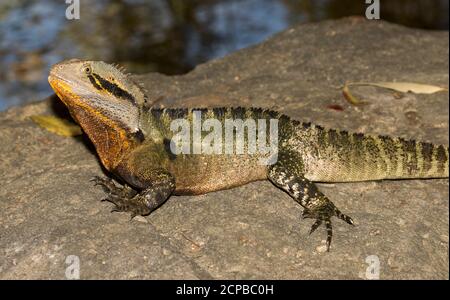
x,y
99,87
104,101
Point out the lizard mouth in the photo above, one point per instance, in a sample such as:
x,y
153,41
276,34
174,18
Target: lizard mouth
x,y
59,85
55,77
61,82
60,74
63,89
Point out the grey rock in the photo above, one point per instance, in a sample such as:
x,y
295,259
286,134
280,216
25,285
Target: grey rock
x,y
49,210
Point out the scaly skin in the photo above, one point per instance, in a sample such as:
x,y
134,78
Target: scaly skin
x,y
133,142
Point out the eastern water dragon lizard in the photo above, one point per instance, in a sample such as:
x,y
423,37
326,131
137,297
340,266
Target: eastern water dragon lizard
x,y
133,139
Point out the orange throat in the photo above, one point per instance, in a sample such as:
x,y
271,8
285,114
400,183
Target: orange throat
x,y
111,140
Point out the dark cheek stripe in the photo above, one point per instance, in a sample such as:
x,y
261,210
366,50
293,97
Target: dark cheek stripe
x,y
94,83
113,88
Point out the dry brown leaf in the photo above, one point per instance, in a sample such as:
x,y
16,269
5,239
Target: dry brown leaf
x,y
349,97
57,125
405,87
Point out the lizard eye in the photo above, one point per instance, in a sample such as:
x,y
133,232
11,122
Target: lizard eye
x,y
87,69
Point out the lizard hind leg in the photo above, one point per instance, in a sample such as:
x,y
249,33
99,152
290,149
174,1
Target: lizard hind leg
x,y
316,205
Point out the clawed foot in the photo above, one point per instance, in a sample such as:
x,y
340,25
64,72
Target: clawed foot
x,y
323,214
112,189
124,198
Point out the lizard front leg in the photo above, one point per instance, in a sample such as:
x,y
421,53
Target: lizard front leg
x,y
108,185
142,203
316,205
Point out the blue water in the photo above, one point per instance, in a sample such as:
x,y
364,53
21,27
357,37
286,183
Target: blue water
x,y
165,36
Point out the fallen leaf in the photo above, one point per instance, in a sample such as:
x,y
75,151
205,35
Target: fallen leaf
x,y
57,125
404,87
349,97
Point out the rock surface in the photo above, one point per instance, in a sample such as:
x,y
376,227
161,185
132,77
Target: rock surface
x,y
49,210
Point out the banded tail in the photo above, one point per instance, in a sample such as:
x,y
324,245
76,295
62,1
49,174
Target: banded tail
x,y
342,156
